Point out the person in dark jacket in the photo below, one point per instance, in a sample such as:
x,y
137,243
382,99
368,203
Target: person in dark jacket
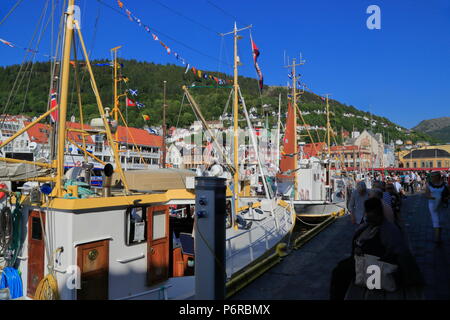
x,y
378,237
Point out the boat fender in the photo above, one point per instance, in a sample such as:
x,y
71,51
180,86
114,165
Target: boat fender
x,y
281,249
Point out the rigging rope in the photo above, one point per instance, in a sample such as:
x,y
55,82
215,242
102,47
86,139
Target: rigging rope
x,y
11,11
187,18
16,85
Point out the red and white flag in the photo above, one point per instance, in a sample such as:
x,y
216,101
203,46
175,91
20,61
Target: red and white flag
x,y
131,103
256,53
53,103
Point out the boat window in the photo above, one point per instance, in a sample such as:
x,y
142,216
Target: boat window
x,y
136,231
36,229
159,225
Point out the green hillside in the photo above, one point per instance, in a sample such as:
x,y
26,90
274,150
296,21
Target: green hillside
x,y
148,79
438,128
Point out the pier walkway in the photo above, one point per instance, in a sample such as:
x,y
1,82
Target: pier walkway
x,y
305,274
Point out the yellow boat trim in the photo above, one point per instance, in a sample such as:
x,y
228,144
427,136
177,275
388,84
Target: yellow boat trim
x,y
117,201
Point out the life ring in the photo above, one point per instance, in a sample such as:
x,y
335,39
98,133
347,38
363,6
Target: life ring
x,y
3,193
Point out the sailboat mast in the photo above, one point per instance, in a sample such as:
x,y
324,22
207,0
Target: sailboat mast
x,y
278,130
64,97
235,113
328,128
164,128
116,97
294,102
236,120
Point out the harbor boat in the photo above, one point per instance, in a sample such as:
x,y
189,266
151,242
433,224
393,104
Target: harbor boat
x,y
131,238
308,182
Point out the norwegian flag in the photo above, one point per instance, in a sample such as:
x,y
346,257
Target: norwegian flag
x,y
53,103
256,53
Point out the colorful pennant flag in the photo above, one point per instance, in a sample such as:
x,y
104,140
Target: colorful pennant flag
x,y
133,92
7,43
146,117
255,59
130,102
53,103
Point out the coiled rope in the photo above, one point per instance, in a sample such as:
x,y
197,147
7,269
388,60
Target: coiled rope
x,y
47,289
10,278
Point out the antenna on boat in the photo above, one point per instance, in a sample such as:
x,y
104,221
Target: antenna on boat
x,y
235,112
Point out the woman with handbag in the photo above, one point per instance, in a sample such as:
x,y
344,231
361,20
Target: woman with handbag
x,y
380,266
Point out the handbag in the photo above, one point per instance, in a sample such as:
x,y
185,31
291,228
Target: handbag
x,y
387,279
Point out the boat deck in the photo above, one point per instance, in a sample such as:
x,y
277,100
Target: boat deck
x,y
306,273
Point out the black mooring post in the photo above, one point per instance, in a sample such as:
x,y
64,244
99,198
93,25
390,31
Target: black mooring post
x,y
210,274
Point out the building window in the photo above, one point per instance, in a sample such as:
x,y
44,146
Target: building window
x,y
136,221
415,164
407,164
439,164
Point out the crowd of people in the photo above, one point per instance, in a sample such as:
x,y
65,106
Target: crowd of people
x,y
375,207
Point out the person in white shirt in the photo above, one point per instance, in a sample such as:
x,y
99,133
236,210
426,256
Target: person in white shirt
x,y
398,186
418,182
356,205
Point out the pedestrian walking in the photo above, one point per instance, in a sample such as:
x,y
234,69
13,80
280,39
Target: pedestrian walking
x,y
378,242
356,205
436,191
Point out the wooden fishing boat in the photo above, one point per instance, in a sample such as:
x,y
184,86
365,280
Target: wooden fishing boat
x,y
130,239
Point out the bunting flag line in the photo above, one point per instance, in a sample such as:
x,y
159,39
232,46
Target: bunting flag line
x,y
12,45
169,51
256,53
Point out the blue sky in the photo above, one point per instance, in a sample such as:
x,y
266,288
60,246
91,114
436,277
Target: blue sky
x,y
401,71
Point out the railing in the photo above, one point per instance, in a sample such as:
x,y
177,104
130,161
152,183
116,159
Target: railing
x,y
265,237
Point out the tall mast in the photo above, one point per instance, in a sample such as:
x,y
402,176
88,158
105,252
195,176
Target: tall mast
x,y
294,101
235,112
115,111
164,127
328,127
69,26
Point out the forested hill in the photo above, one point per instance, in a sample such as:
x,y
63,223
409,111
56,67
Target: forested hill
x,y
438,128
31,98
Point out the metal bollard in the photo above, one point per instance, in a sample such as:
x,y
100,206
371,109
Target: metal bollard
x,y
210,263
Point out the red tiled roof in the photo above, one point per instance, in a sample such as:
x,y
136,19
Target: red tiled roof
x,y
77,136
141,137
311,149
39,133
